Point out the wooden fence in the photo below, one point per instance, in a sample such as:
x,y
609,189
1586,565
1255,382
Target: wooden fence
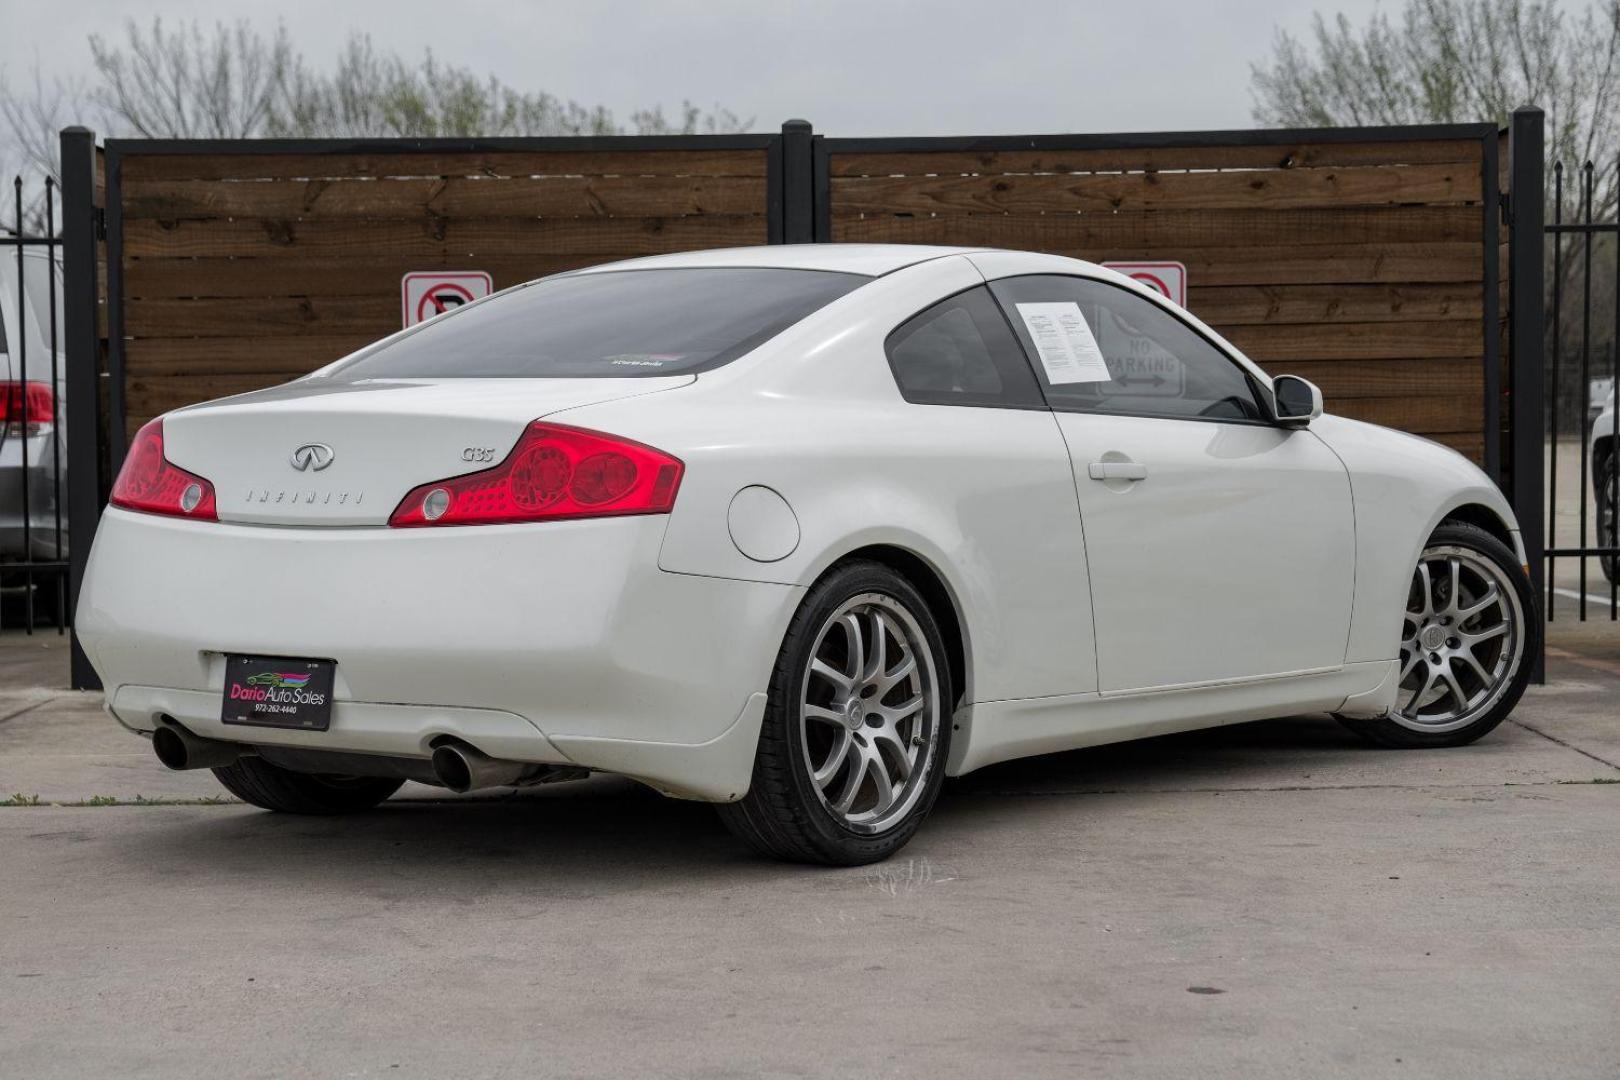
x,y
1367,260
242,267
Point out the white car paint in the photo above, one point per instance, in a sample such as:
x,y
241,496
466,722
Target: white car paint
x,y
1256,572
31,347
1602,435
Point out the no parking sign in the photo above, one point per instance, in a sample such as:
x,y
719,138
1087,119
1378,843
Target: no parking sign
x,y
426,293
1168,279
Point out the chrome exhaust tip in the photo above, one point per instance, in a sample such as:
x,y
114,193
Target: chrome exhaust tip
x,y
180,750
462,768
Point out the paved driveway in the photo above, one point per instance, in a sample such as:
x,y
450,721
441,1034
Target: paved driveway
x,y
1271,900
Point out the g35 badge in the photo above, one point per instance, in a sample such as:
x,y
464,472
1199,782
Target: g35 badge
x,y
478,453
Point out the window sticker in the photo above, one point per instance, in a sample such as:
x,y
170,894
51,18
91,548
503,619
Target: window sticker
x,y
1067,349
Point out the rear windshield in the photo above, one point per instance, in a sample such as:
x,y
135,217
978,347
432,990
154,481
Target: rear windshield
x,y
615,324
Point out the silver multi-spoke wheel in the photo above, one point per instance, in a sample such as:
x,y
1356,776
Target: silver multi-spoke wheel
x,y
870,711
1462,640
857,725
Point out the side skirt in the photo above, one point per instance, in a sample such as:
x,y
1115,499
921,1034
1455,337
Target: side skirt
x,y
1004,730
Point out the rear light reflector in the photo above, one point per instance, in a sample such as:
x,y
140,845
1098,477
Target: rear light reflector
x,y
26,407
150,483
553,473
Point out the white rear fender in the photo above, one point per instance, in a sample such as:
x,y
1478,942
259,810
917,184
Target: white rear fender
x,y
816,418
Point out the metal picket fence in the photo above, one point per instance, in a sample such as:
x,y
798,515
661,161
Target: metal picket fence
x,y
1583,424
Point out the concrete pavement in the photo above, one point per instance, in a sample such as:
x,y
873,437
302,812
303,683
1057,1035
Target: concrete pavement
x,y
1271,900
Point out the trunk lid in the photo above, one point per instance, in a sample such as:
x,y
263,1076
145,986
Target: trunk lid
x,y
318,453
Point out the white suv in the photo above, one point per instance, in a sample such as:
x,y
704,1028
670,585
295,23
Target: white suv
x,y
32,437
1603,480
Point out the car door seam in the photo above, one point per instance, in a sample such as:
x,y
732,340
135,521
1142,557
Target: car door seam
x,y
1085,552
1355,539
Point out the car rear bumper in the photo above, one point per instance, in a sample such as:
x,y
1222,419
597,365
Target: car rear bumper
x,y
558,643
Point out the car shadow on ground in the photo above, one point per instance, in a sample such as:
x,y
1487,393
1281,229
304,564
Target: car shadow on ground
x,y
614,834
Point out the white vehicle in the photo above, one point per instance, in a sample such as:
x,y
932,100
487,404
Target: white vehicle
x,y
796,530
33,380
1605,482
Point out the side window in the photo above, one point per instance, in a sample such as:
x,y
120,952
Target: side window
x,y
960,352
1101,348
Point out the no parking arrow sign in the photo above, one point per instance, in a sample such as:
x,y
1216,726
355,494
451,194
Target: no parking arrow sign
x,y
426,293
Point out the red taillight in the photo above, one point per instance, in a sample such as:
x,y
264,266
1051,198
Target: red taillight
x,y
147,482
26,406
553,472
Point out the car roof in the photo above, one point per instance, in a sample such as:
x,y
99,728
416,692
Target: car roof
x,y
870,259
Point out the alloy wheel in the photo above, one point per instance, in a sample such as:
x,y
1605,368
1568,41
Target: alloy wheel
x,y
870,713
1461,642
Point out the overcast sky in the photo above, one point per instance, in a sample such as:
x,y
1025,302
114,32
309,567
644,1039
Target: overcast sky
x,y
882,67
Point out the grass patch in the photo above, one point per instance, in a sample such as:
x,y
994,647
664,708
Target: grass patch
x,y
114,800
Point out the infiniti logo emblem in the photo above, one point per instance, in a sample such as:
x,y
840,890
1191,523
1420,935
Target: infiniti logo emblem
x,y
312,456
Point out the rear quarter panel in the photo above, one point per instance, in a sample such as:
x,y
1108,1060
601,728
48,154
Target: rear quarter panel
x,y
984,496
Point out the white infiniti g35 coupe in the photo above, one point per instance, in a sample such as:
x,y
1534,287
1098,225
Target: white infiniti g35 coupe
x,y
800,531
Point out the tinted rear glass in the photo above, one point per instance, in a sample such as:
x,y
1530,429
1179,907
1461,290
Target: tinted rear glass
x,y
617,324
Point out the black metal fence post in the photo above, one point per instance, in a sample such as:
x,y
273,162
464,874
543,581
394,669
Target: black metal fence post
x,y
1526,300
798,187
79,228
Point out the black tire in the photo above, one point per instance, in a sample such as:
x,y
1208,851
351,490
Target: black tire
x,y
256,781
1605,491
784,815
1392,732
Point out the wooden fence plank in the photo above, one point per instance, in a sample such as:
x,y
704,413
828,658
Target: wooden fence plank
x,y
446,163
1167,232
329,276
1357,341
201,358
1236,305
1299,155
1346,379
1458,411
1273,190
588,196
432,238
254,317
1325,264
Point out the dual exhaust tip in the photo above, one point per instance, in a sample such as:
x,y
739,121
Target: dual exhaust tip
x,y
457,766
461,768
179,749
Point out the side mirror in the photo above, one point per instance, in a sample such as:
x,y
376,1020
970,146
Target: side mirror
x,y
1295,401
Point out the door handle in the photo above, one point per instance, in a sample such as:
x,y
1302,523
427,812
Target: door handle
x,y
1117,470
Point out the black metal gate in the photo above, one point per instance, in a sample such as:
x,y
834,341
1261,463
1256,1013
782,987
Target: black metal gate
x,y
33,482
1583,425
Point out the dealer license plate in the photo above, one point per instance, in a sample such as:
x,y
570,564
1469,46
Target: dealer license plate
x,y
274,691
